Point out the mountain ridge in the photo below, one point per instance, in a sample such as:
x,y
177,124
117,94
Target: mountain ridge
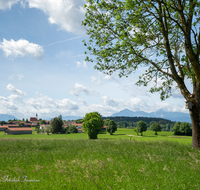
x,y
6,117
173,116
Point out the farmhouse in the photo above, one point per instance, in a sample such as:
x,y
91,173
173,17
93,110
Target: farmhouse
x,y
2,128
11,125
26,125
80,130
5,126
18,131
78,126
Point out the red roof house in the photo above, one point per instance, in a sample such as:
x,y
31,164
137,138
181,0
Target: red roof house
x,y
18,131
33,119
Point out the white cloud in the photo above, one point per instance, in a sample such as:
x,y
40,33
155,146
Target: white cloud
x,y
79,88
21,48
7,106
176,93
13,77
41,104
68,14
108,77
20,77
14,98
83,102
14,90
111,102
100,78
84,64
7,4
111,105
45,105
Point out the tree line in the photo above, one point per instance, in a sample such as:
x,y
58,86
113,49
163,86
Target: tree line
x,y
131,122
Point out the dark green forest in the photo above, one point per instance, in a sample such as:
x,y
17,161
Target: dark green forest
x,y
131,122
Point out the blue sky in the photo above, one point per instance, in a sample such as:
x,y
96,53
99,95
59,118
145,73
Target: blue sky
x,y
43,69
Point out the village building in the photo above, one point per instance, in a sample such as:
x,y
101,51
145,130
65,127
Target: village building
x,y
27,125
18,131
2,128
10,125
34,120
80,131
78,126
43,126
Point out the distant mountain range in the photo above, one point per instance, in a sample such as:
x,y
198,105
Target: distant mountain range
x,y
6,117
173,116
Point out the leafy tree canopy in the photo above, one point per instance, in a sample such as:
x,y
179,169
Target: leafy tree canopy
x,y
185,128
155,127
57,124
182,128
112,127
106,122
141,127
48,129
3,122
43,122
92,124
73,129
176,128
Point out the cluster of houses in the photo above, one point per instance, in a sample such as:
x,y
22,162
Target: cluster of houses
x,y
21,127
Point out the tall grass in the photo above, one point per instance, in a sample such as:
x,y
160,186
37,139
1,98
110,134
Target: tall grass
x,y
98,164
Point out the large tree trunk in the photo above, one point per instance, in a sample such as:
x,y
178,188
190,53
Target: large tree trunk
x,y
195,119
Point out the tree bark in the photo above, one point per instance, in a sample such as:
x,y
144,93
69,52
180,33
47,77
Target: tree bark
x,y
195,119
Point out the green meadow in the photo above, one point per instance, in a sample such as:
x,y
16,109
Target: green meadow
x,y
120,161
121,133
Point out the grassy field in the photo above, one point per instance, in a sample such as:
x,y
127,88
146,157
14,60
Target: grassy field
x,y
119,134
120,161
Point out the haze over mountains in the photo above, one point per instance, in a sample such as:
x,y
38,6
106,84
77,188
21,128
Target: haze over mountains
x,y
6,117
173,116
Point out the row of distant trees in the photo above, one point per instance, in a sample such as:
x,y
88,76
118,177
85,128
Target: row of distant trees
x,y
179,128
142,127
131,122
